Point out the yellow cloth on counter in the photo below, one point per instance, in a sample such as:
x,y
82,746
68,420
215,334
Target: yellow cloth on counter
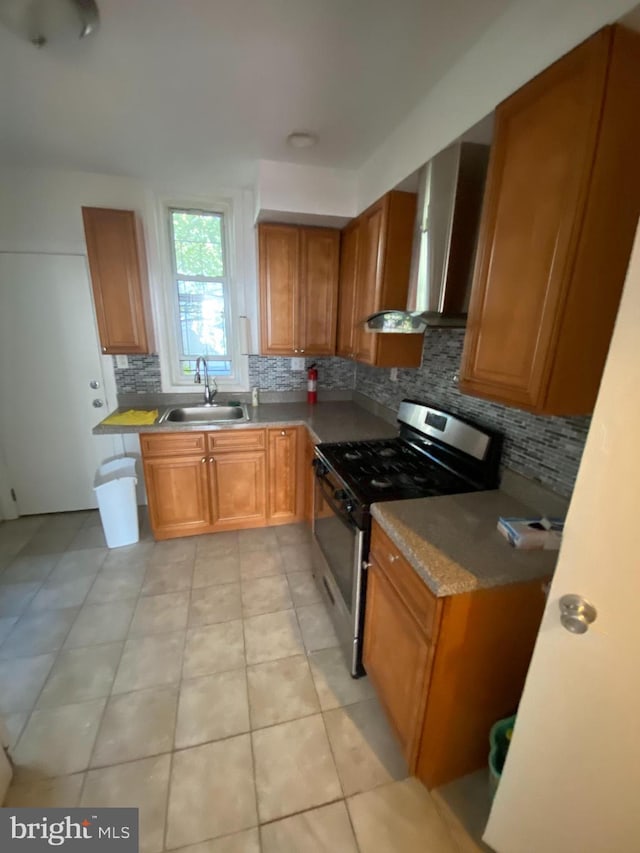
x,y
134,417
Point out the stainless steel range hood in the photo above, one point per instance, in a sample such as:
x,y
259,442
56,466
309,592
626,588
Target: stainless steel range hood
x,y
449,205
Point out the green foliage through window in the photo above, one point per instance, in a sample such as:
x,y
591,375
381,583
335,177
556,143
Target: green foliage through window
x,y
201,283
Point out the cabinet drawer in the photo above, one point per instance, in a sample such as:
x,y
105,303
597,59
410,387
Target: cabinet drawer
x,y
413,591
241,439
172,444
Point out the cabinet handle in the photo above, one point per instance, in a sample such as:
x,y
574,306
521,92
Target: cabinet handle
x,y
211,460
282,432
393,558
204,459
104,349
301,350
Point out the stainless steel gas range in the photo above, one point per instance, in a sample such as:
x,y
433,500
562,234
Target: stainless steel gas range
x,y
435,453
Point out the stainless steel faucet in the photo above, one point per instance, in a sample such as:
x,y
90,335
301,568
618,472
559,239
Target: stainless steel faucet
x,y
209,392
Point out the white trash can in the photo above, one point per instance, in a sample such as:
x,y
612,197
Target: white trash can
x,y
115,488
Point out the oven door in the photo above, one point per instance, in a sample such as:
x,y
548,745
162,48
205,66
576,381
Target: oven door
x,y
338,552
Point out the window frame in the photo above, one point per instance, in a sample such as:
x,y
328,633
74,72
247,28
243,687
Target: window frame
x,y
231,209
224,280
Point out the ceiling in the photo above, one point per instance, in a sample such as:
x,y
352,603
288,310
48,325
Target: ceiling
x,y
176,89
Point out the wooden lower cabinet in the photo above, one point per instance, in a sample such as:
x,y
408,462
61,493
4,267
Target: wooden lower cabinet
x,y
401,682
285,497
178,495
201,482
445,669
237,485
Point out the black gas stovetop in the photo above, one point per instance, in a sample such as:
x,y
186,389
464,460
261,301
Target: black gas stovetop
x,y
390,469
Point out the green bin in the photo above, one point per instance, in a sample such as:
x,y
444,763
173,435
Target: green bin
x,y
499,740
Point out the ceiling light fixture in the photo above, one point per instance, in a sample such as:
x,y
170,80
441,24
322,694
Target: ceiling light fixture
x,y
42,21
301,139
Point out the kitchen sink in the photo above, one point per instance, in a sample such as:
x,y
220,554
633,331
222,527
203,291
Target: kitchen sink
x,y
213,414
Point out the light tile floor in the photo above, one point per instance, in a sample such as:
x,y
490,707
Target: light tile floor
x,y
200,680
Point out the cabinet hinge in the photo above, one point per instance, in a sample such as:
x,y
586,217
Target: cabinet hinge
x,y
13,495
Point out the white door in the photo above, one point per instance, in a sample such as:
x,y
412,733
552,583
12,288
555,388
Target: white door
x,y
49,355
571,782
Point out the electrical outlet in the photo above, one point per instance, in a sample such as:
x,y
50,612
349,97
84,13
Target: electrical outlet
x,y
122,361
297,364
393,374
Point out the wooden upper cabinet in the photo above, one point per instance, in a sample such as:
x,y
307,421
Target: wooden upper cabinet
x,y
319,262
368,282
298,273
560,211
349,254
279,266
374,275
117,262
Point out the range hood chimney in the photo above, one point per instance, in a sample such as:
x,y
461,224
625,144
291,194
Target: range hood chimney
x,y
449,206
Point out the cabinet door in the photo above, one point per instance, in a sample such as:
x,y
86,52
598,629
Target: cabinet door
x,y
319,262
278,270
368,282
115,251
238,489
284,497
540,167
177,491
349,253
397,657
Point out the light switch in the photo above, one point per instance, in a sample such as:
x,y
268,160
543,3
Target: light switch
x,y
297,364
393,374
122,361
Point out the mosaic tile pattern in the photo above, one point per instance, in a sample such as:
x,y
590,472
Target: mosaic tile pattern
x,y
542,448
545,449
274,374
141,377
268,373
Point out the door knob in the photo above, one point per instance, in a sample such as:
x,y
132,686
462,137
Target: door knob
x,y
576,613
94,384
97,404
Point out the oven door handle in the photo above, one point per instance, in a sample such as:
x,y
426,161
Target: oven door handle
x,y
328,494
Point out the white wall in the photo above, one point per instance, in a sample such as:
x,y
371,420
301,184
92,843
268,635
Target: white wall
x,y
523,41
288,192
40,211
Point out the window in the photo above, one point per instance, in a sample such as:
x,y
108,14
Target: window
x,y
201,290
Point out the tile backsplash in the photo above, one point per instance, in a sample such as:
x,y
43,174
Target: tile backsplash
x,y
543,448
274,374
141,377
268,373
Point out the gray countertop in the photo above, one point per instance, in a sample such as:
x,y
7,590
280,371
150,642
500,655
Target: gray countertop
x,y
330,421
453,544
450,541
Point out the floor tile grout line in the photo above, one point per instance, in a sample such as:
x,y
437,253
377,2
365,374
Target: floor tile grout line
x,y
302,811
57,654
